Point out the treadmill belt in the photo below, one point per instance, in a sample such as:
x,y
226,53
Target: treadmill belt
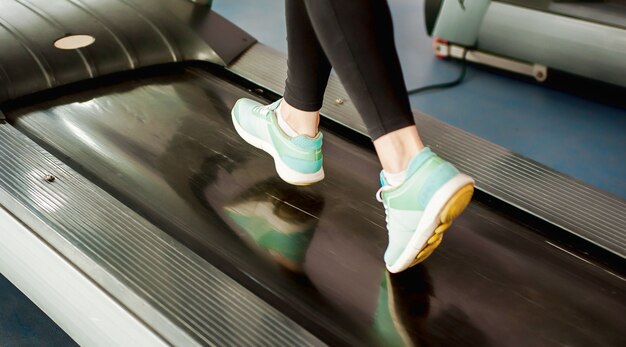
x,y
165,146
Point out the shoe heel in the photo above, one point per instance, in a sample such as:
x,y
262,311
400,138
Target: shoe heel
x,y
296,178
456,205
452,209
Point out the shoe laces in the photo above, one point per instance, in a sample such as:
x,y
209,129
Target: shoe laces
x,y
263,109
379,197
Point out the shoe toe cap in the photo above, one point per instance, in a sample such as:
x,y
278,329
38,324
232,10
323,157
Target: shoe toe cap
x,y
245,105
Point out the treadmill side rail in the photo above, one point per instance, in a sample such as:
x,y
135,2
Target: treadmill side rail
x,y
180,296
77,304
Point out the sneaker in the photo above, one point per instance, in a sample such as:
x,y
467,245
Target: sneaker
x,y
421,208
298,160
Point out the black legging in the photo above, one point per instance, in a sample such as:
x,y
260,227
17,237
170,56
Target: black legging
x,y
357,37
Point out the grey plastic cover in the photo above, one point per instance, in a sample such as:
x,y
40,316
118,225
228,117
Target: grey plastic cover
x,y
128,34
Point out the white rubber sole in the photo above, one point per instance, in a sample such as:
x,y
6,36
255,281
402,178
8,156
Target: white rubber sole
x,y
284,172
445,205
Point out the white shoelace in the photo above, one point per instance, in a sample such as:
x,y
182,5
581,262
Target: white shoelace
x,y
263,109
379,197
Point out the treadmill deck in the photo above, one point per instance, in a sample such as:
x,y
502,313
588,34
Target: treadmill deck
x,y
164,146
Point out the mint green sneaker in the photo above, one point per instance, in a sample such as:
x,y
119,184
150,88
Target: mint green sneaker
x,y
422,208
298,160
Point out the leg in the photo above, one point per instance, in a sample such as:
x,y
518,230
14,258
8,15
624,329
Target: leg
x,y
307,73
275,128
421,192
357,37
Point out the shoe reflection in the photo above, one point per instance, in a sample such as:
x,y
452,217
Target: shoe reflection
x,y
404,316
403,304
277,219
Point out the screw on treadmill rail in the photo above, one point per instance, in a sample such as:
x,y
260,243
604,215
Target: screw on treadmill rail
x,y
49,178
339,101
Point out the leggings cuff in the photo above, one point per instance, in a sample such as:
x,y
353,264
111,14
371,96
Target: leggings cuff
x,y
300,104
387,128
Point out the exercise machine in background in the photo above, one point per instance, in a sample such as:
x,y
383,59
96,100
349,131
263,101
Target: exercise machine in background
x,y
532,37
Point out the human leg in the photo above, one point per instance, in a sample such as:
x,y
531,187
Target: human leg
x,y
287,129
357,37
307,73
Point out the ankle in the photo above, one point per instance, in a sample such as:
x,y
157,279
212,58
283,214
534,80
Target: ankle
x,y
396,149
399,160
302,122
395,179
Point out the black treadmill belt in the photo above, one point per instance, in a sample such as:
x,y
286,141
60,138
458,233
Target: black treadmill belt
x,y
165,146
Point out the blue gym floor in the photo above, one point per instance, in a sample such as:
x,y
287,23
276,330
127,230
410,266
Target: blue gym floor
x,y
24,324
579,137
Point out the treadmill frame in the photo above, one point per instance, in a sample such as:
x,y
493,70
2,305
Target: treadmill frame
x,y
78,226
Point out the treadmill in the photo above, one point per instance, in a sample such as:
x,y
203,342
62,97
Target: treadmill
x,y
131,212
536,38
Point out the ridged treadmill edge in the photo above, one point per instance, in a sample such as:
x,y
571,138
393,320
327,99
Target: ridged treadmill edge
x,y
174,291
